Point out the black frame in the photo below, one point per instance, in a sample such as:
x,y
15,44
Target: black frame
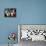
x,y
9,11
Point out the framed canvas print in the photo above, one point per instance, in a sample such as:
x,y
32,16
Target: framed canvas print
x,y
10,12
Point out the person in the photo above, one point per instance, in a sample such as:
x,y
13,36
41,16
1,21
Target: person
x,y
13,13
7,13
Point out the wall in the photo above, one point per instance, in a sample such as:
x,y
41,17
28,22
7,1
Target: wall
x,y
28,12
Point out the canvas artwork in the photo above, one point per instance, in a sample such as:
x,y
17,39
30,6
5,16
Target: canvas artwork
x,y
33,32
10,12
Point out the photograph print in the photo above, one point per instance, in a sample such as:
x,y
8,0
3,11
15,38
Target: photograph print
x,y
10,12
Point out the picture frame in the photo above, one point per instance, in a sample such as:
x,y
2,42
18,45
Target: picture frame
x,y
10,12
